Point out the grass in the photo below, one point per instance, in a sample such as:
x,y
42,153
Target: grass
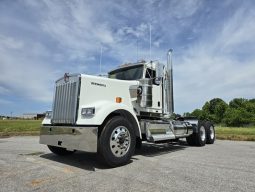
x,y
235,133
19,127
32,127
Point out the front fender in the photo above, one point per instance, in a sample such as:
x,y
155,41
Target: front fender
x,y
102,110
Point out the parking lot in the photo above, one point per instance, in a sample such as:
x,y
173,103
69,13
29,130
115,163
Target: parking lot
x,y
26,165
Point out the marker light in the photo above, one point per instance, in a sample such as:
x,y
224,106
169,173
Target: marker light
x,y
118,99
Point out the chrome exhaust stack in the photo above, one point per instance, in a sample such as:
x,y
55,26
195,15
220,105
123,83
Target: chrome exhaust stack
x,y
168,107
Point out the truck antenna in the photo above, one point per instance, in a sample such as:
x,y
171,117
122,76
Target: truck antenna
x,y
137,41
100,63
150,42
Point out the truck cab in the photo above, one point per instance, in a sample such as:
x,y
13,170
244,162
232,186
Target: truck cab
x,y
144,71
112,115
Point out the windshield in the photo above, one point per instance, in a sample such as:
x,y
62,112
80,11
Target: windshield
x,y
129,73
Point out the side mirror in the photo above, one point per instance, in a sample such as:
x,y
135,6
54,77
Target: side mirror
x,y
159,73
157,80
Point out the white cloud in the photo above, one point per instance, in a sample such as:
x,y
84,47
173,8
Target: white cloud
x,y
239,30
75,28
184,8
213,68
9,43
4,90
136,32
22,73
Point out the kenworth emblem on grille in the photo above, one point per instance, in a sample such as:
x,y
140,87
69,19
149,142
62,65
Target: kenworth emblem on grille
x,y
66,77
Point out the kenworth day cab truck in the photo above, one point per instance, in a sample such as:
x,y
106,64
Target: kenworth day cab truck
x,y
112,115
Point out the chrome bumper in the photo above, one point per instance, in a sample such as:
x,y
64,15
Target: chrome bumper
x,y
71,138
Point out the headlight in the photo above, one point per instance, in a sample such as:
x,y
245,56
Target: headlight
x,y
88,112
48,114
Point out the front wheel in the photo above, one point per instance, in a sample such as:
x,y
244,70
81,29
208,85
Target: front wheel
x,y
117,142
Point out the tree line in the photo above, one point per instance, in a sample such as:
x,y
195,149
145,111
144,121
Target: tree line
x,y
238,112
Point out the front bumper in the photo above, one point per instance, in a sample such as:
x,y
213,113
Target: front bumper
x,y
71,138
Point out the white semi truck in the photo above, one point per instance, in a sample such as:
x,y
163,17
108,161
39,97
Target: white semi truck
x,y
113,115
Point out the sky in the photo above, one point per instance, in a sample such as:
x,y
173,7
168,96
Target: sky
x,y
213,43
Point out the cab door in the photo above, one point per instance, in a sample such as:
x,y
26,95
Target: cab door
x,y
156,91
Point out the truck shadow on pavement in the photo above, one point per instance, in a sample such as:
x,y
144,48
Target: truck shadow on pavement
x,y
91,162
152,150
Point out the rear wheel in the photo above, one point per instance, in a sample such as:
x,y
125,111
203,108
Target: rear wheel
x,y
60,151
117,142
210,132
199,138
191,140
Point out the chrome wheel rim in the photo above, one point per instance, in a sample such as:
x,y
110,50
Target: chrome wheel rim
x,y
120,141
212,132
202,133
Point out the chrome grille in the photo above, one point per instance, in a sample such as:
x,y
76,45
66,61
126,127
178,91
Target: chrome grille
x,y
65,101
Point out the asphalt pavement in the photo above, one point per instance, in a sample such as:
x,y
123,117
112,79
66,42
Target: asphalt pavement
x,y
25,165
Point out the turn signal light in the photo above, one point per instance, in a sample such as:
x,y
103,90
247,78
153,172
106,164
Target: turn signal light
x,y
118,99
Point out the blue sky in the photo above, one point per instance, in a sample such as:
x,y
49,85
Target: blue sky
x,y
213,42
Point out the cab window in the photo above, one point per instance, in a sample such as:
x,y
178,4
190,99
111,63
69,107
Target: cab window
x,y
150,73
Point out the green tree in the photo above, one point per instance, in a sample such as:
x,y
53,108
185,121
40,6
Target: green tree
x,y
239,112
197,113
237,103
187,114
249,106
252,100
237,117
214,109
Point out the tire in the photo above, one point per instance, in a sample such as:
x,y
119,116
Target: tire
x,y
60,151
191,140
201,135
138,143
177,140
117,142
199,138
210,132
